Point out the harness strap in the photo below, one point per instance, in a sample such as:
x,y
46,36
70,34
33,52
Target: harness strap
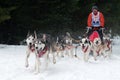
x,y
108,45
85,49
32,48
98,51
42,52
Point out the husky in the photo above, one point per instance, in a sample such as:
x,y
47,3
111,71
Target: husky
x,y
56,48
39,47
69,46
86,48
30,40
41,51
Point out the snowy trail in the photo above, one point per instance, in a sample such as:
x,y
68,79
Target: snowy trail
x,y
12,59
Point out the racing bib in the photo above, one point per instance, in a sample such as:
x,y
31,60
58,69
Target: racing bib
x,y
96,20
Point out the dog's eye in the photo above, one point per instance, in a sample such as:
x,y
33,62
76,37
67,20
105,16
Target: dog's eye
x,y
86,41
39,42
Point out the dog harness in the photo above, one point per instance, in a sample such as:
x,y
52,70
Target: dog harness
x,y
42,52
32,48
84,49
98,52
69,47
108,45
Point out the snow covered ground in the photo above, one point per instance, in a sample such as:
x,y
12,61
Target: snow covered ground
x,y
12,67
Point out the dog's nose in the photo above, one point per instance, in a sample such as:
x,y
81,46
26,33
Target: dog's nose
x,y
30,43
36,47
83,46
57,44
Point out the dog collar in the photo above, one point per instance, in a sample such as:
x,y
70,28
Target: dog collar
x,y
85,49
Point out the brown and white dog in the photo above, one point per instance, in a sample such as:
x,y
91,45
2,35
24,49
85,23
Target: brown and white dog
x,y
56,48
69,46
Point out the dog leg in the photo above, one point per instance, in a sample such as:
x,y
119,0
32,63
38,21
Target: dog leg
x,y
62,53
68,52
27,56
54,60
86,56
75,53
110,52
36,61
37,65
48,56
72,53
46,59
57,53
95,55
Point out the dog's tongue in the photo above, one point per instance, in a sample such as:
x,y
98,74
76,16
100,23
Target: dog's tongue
x,y
83,46
32,48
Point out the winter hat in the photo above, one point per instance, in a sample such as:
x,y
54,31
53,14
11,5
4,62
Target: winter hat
x,y
94,7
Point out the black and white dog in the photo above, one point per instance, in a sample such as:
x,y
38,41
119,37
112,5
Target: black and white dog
x,y
30,40
39,47
96,47
86,48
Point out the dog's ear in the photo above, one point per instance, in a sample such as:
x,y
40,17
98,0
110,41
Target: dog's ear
x,y
89,42
35,35
68,34
44,37
28,34
57,38
80,42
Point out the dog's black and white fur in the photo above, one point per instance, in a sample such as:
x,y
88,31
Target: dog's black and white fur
x,y
40,48
36,45
86,48
30,47
96,47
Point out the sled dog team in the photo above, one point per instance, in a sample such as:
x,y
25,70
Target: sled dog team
x,y
50,47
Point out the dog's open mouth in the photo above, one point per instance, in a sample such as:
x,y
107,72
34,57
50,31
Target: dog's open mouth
x,y
32,47
83,46
41,52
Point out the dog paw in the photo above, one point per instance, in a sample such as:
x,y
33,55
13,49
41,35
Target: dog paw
x,y
62,56
75,56
26,65
86,60
54,61
95,59
36,72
